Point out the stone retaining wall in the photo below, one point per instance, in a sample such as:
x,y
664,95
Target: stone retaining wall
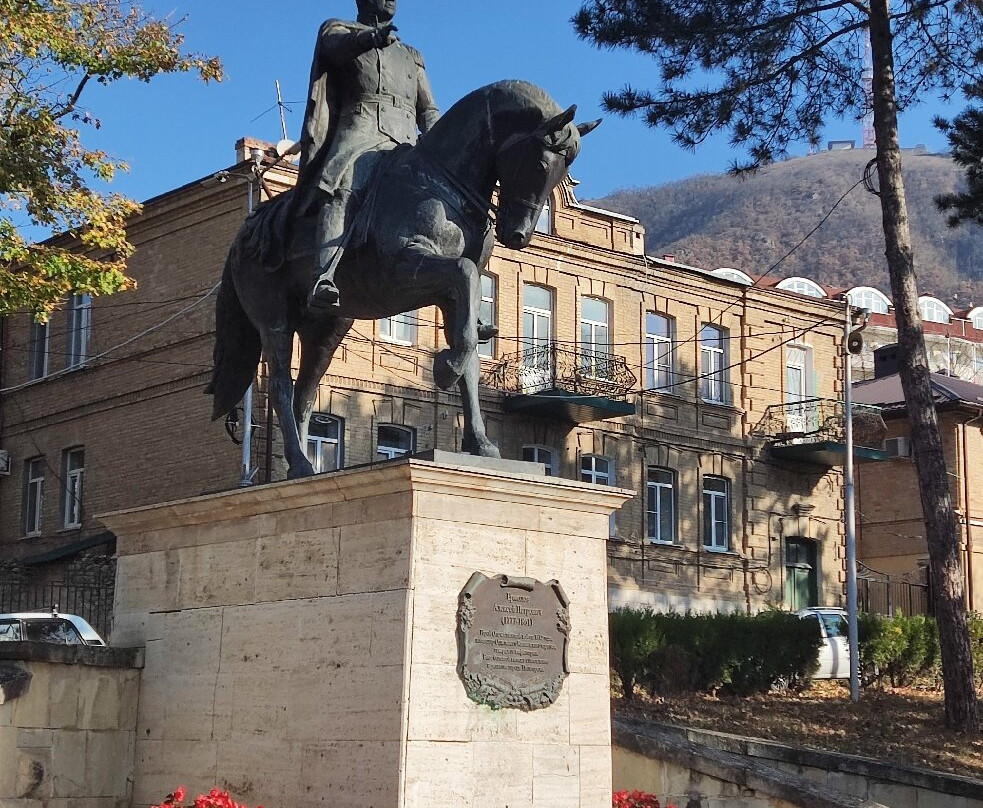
x,y
701,769
67,725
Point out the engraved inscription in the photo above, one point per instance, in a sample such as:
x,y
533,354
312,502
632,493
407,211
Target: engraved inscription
x,y
512,641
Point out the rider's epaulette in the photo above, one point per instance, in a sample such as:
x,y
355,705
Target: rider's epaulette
x,y
417,56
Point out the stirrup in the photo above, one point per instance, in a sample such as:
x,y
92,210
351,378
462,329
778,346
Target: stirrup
x,y
324,295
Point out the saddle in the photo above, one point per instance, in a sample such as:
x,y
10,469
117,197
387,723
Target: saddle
x,y
276,232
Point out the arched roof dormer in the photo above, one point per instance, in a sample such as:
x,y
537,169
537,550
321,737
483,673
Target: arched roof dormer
x,y
867,297
933,310
732,274
803,286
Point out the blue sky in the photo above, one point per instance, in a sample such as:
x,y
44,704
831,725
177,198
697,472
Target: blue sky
x,y
177,129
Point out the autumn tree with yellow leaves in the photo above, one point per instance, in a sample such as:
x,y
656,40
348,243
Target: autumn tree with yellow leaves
x,y
50,52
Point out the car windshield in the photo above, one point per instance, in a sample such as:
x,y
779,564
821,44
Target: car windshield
x,y
56,631
836,625
9,630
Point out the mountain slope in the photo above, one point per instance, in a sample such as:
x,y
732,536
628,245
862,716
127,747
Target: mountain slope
x,y
712,221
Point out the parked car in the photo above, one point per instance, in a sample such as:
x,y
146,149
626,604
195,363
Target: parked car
x,y
834,653
53,627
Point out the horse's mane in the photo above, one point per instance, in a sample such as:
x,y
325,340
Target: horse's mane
x,y
511,96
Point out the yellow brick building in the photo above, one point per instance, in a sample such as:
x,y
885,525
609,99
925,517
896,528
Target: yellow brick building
x,y
676,382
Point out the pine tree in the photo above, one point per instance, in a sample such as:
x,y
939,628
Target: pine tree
x,y
965,133
771,73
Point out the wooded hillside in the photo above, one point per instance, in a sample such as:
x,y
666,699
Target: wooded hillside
x,y
716,220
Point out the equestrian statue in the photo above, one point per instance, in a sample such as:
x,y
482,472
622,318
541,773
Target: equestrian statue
x,y
335,249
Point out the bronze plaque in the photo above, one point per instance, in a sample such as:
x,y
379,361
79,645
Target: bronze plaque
x,y
512,636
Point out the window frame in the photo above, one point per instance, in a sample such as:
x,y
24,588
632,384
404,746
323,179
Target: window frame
x,y
33,497
544,222
488,303
405,319
862,297
653,516
316,442
801,286
537,450
653,369
594,353
79,329
392,452
718,501
931,308
73,488
38,357
715,376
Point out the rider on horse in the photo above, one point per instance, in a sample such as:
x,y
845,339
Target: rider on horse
x,y
368,94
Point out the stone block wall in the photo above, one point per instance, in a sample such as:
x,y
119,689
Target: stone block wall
x,y
67,725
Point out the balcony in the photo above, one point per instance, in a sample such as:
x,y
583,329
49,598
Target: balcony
x,y
563,384
814,431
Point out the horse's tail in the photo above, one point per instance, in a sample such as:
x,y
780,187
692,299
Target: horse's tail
x,y
237,346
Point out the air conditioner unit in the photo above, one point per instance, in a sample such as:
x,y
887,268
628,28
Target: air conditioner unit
x,y
4,462
898,447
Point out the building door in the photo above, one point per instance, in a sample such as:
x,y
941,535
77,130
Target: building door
x,y
537,337
801,575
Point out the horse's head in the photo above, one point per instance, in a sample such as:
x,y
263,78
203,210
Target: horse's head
x,y
529,165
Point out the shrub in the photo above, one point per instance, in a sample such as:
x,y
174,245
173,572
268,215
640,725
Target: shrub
x,y
634,637
213,799
898,649
635,799
737,653
976,640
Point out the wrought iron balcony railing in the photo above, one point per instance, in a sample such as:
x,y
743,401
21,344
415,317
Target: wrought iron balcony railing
x,y
551,367
817,420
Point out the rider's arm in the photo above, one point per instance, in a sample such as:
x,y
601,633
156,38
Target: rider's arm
x,y
426,107
340,42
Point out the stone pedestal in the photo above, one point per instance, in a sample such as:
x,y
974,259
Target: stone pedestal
x,y
301,641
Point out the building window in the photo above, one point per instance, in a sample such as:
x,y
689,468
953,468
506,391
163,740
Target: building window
x,y
801,578
801,414
933,310
487,311
598,470
866,297
544,224
79,327
595,469
802,286
33,495
539,454
537,335
325,442
659,334
400,328
37,362
661,505
73,470
713,362
394,441
716,513
595,337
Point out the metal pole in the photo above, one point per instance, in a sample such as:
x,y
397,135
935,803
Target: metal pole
x,y
851,539
248,473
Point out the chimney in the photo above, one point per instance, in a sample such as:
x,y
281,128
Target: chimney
x,y
886,360
670,257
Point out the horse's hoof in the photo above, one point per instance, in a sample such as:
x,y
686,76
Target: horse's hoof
x,y
481,448
444,375
300,471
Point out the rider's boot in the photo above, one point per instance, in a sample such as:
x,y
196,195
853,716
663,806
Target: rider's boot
x,y
486,331
330,240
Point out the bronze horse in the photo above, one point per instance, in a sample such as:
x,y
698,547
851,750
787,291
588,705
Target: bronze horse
x,y
427,238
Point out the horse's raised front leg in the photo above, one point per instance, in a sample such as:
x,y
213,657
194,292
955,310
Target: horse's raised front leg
x,y
278,347
320,337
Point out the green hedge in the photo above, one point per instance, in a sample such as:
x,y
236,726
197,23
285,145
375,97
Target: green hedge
x,y
737,653
897,649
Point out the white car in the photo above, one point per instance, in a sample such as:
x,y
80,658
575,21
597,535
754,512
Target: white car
x,y
834,653
53,627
